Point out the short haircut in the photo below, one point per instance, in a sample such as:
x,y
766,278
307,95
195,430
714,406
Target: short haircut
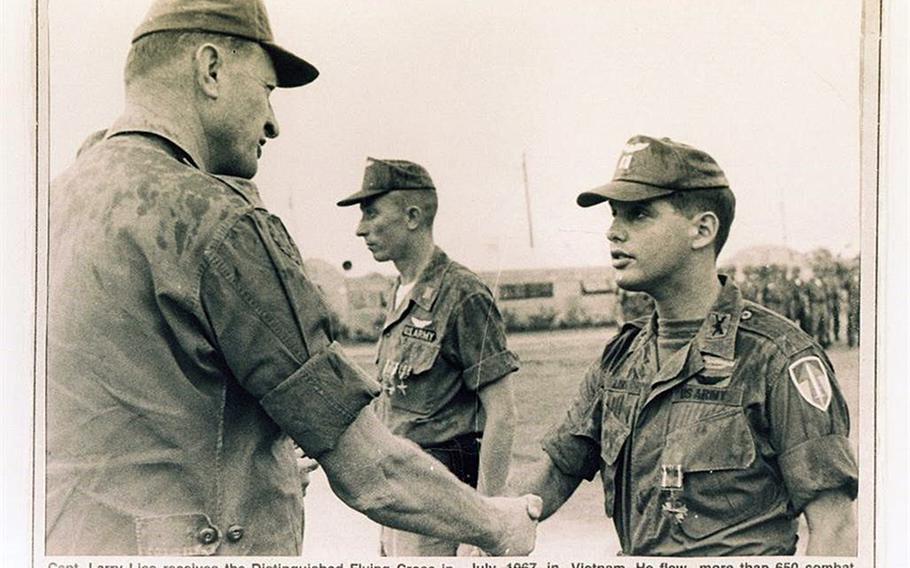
x,y
425,200
160,49
721,202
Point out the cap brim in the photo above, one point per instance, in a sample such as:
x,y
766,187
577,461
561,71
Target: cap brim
x,y
290,70
621,191
356,198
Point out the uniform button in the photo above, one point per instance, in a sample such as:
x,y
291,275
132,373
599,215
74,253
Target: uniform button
x,y
234,533
208,535
746,315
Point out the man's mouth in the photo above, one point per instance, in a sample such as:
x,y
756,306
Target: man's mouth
x,y
621,259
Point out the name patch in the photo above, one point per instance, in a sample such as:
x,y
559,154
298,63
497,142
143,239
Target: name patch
x,y
428,335
623,385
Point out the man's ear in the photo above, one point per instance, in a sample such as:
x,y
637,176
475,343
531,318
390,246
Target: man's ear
x,y
414,216
208,62
704,229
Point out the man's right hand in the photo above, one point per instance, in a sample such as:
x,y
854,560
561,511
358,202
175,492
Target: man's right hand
x,y
519,516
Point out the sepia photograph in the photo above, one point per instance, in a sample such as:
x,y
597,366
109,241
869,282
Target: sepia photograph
x,y
337,284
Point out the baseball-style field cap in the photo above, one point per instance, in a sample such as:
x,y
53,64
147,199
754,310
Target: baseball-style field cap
x,y
383,176
245,19
650,168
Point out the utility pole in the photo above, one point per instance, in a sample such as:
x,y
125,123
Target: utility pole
x,y
524,167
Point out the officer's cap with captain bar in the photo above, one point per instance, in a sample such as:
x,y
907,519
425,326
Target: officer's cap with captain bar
x,y
650,167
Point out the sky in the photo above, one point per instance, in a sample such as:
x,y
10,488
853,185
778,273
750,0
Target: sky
x,y
469,90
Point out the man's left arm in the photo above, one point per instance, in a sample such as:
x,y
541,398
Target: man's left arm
x,y
498,402
487,363
832,525
810,428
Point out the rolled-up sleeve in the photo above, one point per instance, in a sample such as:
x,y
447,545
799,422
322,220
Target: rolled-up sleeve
x,y
481,342
574,444
262,310
810,428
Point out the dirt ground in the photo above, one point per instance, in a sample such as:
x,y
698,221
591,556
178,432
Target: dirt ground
x,y
553,363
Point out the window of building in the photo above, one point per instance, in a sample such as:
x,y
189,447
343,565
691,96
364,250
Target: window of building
x,y
526,290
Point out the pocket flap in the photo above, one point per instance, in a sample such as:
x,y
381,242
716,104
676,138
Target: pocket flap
x,y
613,435
716,443
189,534
419,356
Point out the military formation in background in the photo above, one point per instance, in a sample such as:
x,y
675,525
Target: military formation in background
x,y
824,301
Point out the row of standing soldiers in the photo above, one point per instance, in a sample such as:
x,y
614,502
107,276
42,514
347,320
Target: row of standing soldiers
x,y
825,304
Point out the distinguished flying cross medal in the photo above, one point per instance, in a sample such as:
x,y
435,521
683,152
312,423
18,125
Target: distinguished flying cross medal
x,y
671,485
396,370
811,381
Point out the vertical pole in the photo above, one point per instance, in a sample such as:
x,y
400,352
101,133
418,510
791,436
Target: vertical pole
x,y
524,167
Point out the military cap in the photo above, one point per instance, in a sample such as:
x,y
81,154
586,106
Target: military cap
x,y
383,176
650,168
246,19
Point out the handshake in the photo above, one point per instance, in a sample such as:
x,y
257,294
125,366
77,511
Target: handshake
x,y
519,517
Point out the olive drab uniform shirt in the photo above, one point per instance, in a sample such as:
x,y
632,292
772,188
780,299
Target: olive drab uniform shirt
x,y
718,451
444,342
186,349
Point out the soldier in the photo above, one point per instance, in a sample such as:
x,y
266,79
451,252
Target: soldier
x,y
716,422
818,311
187,350
773,295
853,302
834,289
443,360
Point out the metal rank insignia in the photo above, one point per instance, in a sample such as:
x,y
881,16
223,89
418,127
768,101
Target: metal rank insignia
x,y
671,487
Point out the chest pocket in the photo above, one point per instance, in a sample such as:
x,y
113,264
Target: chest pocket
x,y
415,389
723,484
613,435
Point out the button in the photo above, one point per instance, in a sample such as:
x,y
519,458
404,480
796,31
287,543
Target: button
x,y
208,535
746,315
234,533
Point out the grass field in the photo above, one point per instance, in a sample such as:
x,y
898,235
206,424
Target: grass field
x,y
552,364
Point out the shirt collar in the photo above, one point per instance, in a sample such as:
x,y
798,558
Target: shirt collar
x,y
717,334
427,287
143,119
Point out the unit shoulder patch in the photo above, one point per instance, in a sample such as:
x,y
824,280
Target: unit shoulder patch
x,y
811,380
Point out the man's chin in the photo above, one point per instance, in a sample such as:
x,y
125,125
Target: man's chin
x,y
630,285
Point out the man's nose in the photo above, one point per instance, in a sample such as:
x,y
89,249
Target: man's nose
x,y
361,229
615,233
271,125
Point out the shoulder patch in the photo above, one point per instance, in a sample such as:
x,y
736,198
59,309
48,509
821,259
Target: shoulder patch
x,y
811,381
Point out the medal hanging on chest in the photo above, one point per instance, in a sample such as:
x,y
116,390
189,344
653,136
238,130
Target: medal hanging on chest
x,y
671,488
